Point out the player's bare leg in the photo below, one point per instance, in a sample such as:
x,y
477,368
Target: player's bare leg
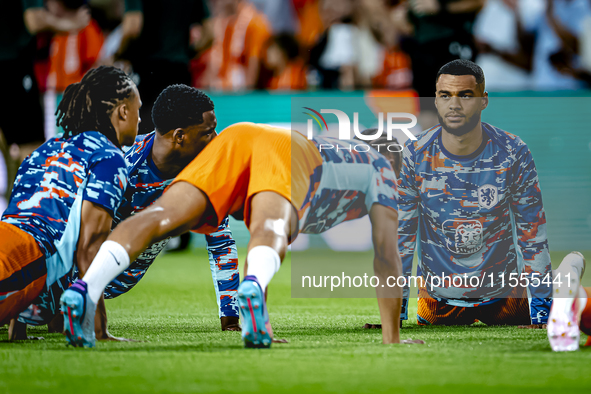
x,y
166,217
569,300
272,221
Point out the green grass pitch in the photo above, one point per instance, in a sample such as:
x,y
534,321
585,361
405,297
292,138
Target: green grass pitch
x,y
182,350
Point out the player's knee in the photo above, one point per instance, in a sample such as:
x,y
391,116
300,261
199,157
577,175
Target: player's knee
x,y
270,232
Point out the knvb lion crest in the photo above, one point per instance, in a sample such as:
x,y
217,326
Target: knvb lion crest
x,y
465,236
488,196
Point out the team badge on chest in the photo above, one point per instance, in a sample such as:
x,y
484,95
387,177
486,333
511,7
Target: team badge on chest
x,y
488,196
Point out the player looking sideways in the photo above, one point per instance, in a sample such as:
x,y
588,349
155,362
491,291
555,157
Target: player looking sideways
x,y
185,123
67,191
461,184
266,175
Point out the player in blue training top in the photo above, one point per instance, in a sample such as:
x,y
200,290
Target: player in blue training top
x,y
152,163
466,190
67,191
185,122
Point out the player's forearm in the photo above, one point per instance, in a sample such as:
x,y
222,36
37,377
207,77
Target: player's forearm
x,y
100,320
87,249
389,298
390,318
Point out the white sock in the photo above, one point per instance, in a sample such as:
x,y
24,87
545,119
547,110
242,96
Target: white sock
x,y
263,262
575,261
111,260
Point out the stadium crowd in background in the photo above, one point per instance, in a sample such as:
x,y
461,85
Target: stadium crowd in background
x,y
236,45
282,45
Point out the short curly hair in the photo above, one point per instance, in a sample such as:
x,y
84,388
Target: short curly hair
x,y
179,106
462,67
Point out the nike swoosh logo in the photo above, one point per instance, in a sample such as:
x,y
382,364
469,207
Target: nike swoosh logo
x,y
434,195
117,261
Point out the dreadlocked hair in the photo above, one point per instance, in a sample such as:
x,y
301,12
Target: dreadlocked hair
x,y
87,105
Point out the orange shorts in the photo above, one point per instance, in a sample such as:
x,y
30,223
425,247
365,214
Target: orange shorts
x,y
248,158
22,271
506,311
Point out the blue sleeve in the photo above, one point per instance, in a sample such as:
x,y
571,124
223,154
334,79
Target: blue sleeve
x,y
107,181
223,261
408,198
530,227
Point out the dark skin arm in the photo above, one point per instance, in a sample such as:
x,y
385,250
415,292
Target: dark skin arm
x,y
94,230
384,226
387,263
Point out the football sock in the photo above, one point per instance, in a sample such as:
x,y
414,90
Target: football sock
x,y
572,266
263,262
575,261
111,260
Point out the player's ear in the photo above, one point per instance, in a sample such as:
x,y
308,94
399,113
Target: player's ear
x,y
122,111
485,100
178,136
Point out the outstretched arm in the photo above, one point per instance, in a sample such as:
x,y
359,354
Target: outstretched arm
x,y
166,217
94,228
530,226
387,263
408,209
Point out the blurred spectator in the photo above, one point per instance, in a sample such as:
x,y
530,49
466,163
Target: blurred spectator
x,y
279,13
72,54
442,33
499,31
384,23
309,21
19,22
155,39
334,55
585,44
555,59
240,32
282,58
